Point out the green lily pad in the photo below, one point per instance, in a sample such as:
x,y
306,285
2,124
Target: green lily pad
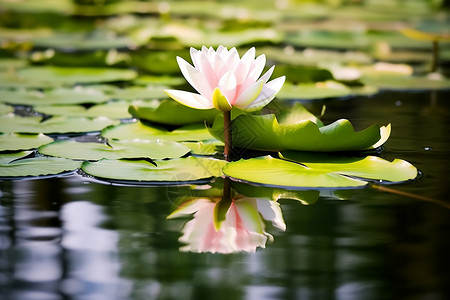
x,y
139,92
209,147
333,173
114,149
36,166
58,124
76,41
407,83
112,110
6,109
264,132
15,141
12,63
172,113
177,170
311,91
54,76
58,96
138,130
163,80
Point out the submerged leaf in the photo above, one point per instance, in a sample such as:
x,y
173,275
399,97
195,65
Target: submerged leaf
x,y
114,150
179,170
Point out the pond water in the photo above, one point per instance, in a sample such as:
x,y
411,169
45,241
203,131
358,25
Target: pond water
x,y
75,238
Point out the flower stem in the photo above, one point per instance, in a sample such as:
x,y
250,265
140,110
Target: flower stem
x,y
227,134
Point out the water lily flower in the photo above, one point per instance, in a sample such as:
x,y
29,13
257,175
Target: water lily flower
x,y
242,229
224,80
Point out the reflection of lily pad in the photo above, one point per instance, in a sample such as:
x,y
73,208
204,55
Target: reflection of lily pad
x,y
15,141
172,113
11,123
114,149
264,132
138,130
59,96
37,166
174,170
332,173
52,76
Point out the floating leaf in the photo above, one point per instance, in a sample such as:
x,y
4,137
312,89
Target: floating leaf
x,y
59,124
59,96
332,173
37,166
79,41
15,141
139,92
5,109
408,83
310,91
264,132
209,147
138,130
114,149
159,80
112,110
172,113
53,76
178,170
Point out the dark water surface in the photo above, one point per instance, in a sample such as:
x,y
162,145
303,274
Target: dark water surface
x,y
72,238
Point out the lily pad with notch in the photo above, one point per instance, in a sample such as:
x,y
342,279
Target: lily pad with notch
x,y
341,172
173,171
114,149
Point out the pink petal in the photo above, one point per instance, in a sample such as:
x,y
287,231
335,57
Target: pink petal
x,y
268,92
189,99
195,77
244,66
227,86
257,67
247,96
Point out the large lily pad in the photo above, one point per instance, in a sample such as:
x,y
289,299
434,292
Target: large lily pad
x,y
5,109
36,166
139,130
75,41
114,149
139,92
58,96
312,91
264,132
340,172
174,170
54,76
15,141
408,83
58,124
172,113
112,110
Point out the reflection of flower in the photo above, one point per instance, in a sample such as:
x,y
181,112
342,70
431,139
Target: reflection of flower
x,y
241,229
224,80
